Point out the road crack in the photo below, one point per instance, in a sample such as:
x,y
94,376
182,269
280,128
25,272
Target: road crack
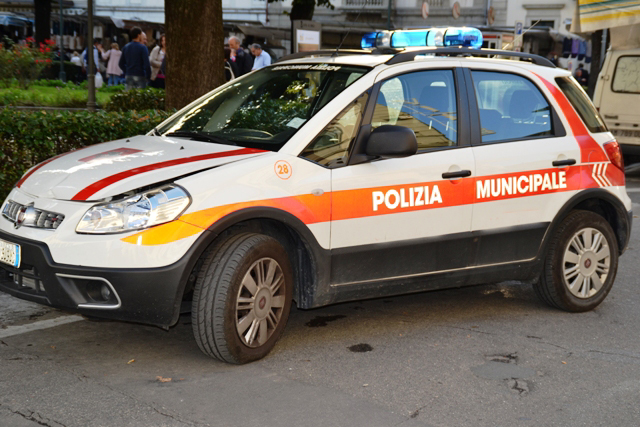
x,y
36,418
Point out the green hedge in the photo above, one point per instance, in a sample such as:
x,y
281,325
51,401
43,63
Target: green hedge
x,y
137,99
30,137
52,71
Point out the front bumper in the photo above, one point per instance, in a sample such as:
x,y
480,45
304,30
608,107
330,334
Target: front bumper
x,y
151,296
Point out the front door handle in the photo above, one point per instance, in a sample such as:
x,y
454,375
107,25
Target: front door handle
x,y
565,162
457,174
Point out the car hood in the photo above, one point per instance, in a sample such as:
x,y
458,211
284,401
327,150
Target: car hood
x,y
115,167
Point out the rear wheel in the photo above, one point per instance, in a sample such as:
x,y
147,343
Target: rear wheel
x,y
242,298
581,264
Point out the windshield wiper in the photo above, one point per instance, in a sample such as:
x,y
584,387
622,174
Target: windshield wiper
x,y
201,136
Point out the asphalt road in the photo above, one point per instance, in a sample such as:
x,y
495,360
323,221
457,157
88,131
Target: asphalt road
x,y
485,356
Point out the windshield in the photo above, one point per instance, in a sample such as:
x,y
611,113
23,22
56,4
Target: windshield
x,y
266,108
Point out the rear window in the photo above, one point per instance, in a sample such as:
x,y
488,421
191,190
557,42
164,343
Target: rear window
x,y
582,104
626,77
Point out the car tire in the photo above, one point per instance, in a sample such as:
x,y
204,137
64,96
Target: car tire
x,y
581,263
242,298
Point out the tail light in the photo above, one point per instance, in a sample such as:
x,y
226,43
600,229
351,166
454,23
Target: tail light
x,y
615,155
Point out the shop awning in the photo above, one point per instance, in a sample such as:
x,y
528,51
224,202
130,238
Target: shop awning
x,y
11,19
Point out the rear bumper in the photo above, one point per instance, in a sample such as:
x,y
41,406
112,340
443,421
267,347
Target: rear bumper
x,y
151,296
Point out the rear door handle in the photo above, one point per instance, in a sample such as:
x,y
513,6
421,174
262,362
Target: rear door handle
x,y
457,174
566,162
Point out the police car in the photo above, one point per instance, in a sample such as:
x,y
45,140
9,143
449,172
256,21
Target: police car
x,y
417,163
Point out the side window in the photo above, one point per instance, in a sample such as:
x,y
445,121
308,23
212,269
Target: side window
x,y
626,78
424,101
581,102
511,107
331,147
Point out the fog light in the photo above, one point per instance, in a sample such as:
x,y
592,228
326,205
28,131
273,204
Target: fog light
x,y
105,292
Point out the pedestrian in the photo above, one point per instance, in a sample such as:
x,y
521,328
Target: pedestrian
x,y
135,61
75,59
96,57
155,58
113,70
262,58
242,59
581,75
230,67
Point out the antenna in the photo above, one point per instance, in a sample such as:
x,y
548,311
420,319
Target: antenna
x,y
521,35
334,54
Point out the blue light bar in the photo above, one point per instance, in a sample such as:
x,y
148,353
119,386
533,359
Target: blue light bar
x,y
470,37
452,36
409,38
435,38
369,40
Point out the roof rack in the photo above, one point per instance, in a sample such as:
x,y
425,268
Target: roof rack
x,y
409,55
341,52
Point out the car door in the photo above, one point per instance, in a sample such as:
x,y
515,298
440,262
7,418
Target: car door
x,y
527,166
407,217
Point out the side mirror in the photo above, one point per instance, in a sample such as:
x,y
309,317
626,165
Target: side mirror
x,y
392,142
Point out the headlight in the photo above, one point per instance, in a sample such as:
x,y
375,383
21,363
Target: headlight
x,y
137,212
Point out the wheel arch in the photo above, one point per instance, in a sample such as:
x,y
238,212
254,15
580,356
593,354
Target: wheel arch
x,y
603,203
310,262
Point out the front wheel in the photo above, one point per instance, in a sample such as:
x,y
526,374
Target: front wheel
x,y
581,264
242,298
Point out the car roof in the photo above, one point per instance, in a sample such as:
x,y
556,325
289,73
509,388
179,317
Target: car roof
x,y
373,58
365,59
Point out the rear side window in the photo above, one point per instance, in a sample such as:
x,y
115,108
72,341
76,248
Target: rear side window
x,y
626,77
510,107
582,104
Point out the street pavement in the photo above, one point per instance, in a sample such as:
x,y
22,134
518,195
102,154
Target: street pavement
x,y
490,355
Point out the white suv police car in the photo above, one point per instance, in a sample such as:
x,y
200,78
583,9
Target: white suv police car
x,y
329,177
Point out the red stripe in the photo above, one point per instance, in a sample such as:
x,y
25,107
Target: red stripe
x,y
39,165
103,183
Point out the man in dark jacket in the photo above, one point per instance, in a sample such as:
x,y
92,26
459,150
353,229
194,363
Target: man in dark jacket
x,y
135,61
242,59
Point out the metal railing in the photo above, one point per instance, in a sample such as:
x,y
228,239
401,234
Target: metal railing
x,y
369,3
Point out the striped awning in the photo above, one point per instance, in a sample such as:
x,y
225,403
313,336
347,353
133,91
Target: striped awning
x,y
600,14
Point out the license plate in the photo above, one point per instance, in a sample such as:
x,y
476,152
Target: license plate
x,y
10,253
627,133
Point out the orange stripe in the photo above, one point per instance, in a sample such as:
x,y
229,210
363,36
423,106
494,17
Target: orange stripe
x,y
162,234
358,203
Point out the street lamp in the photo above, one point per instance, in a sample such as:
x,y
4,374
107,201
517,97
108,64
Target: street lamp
x,y
62,76
91,74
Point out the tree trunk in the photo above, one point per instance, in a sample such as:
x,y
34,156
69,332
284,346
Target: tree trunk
x,y
43,20
195,49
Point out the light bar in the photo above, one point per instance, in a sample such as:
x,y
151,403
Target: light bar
x,y
451,36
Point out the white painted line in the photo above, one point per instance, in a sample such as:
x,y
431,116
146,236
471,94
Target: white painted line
x,y
36,326
633,190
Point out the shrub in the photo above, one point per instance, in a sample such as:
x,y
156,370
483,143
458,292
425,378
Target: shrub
x,y
138,99
52,71
28,138
24,62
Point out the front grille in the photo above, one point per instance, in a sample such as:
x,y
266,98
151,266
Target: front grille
x,y
28,216
25,279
